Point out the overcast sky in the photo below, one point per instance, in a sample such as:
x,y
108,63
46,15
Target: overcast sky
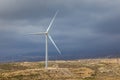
x,y
82,27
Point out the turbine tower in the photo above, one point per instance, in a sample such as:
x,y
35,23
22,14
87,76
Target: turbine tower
x,y
46,33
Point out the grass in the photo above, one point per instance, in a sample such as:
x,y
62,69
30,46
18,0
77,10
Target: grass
x,y
61,70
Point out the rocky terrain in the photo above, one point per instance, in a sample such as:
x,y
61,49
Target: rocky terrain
x,y
85,69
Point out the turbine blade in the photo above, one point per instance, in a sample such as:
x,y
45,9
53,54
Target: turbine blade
x,y
54,44
40,33
51,22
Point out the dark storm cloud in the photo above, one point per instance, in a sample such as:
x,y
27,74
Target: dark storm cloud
x,y
81,26
110,26
29,9
21,9
9,40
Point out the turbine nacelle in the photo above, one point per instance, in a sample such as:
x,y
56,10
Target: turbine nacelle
x,y
46,33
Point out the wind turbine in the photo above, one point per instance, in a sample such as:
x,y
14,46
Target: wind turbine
x,y
46,33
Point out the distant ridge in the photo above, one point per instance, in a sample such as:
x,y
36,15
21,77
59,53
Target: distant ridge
x,y
40,57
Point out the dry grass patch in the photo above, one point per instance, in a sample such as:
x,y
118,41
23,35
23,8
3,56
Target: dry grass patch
x,y
96,69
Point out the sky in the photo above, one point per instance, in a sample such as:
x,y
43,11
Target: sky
x,y
82,28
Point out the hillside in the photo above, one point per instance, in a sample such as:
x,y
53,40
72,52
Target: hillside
x,y
86,69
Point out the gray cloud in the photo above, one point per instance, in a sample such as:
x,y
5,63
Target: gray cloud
x,y
81,26
109,26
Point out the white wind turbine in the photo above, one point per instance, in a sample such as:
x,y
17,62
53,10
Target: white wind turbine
x,y
46,33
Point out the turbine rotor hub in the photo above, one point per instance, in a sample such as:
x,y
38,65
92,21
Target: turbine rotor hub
x,y
46,33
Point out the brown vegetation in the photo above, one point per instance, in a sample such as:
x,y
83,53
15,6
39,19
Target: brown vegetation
x,y
88,69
